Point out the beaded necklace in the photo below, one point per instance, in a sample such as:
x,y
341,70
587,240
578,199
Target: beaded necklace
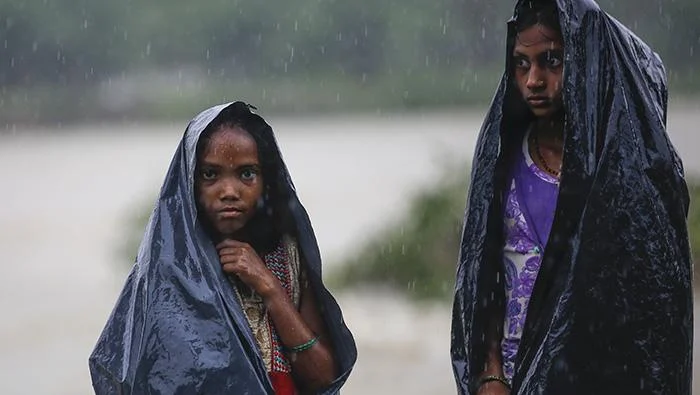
x,y
549,170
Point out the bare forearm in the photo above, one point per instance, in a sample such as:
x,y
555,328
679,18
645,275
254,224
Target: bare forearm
x,y
494,363
314,366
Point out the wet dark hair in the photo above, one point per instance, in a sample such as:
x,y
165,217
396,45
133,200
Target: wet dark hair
x,y
535,12
273,216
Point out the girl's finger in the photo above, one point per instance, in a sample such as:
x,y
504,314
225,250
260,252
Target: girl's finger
x,y
231,268
231,243
233,258
231,251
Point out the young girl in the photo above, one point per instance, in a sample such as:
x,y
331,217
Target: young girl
x,y
226,295
575,272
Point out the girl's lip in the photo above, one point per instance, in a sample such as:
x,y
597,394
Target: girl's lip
x,y
230,208
538,101
230,213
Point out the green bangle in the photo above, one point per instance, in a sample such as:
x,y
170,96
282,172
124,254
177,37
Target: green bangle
x,y
488,379
304,346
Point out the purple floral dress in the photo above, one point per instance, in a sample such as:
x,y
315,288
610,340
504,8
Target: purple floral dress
x,y
528,216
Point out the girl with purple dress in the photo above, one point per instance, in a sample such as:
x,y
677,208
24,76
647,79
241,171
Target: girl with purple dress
x,y
575,272
531,193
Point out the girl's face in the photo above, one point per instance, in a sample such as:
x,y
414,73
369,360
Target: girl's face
x,y
538,58
229,181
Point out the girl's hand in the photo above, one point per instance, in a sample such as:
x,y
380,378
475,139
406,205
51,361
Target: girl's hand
x,y
493,388
240,259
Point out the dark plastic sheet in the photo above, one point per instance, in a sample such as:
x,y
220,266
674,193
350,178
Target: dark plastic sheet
x,y
611,312
177,327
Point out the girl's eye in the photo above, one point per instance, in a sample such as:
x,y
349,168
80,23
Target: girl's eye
x,y
208,174
249,174
522,63
554,62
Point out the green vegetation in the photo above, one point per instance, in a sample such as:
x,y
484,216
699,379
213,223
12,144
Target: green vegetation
x,y
273,95
79,60
694,226
418,255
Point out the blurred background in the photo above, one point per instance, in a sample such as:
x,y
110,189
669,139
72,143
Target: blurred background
x,y
376,106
